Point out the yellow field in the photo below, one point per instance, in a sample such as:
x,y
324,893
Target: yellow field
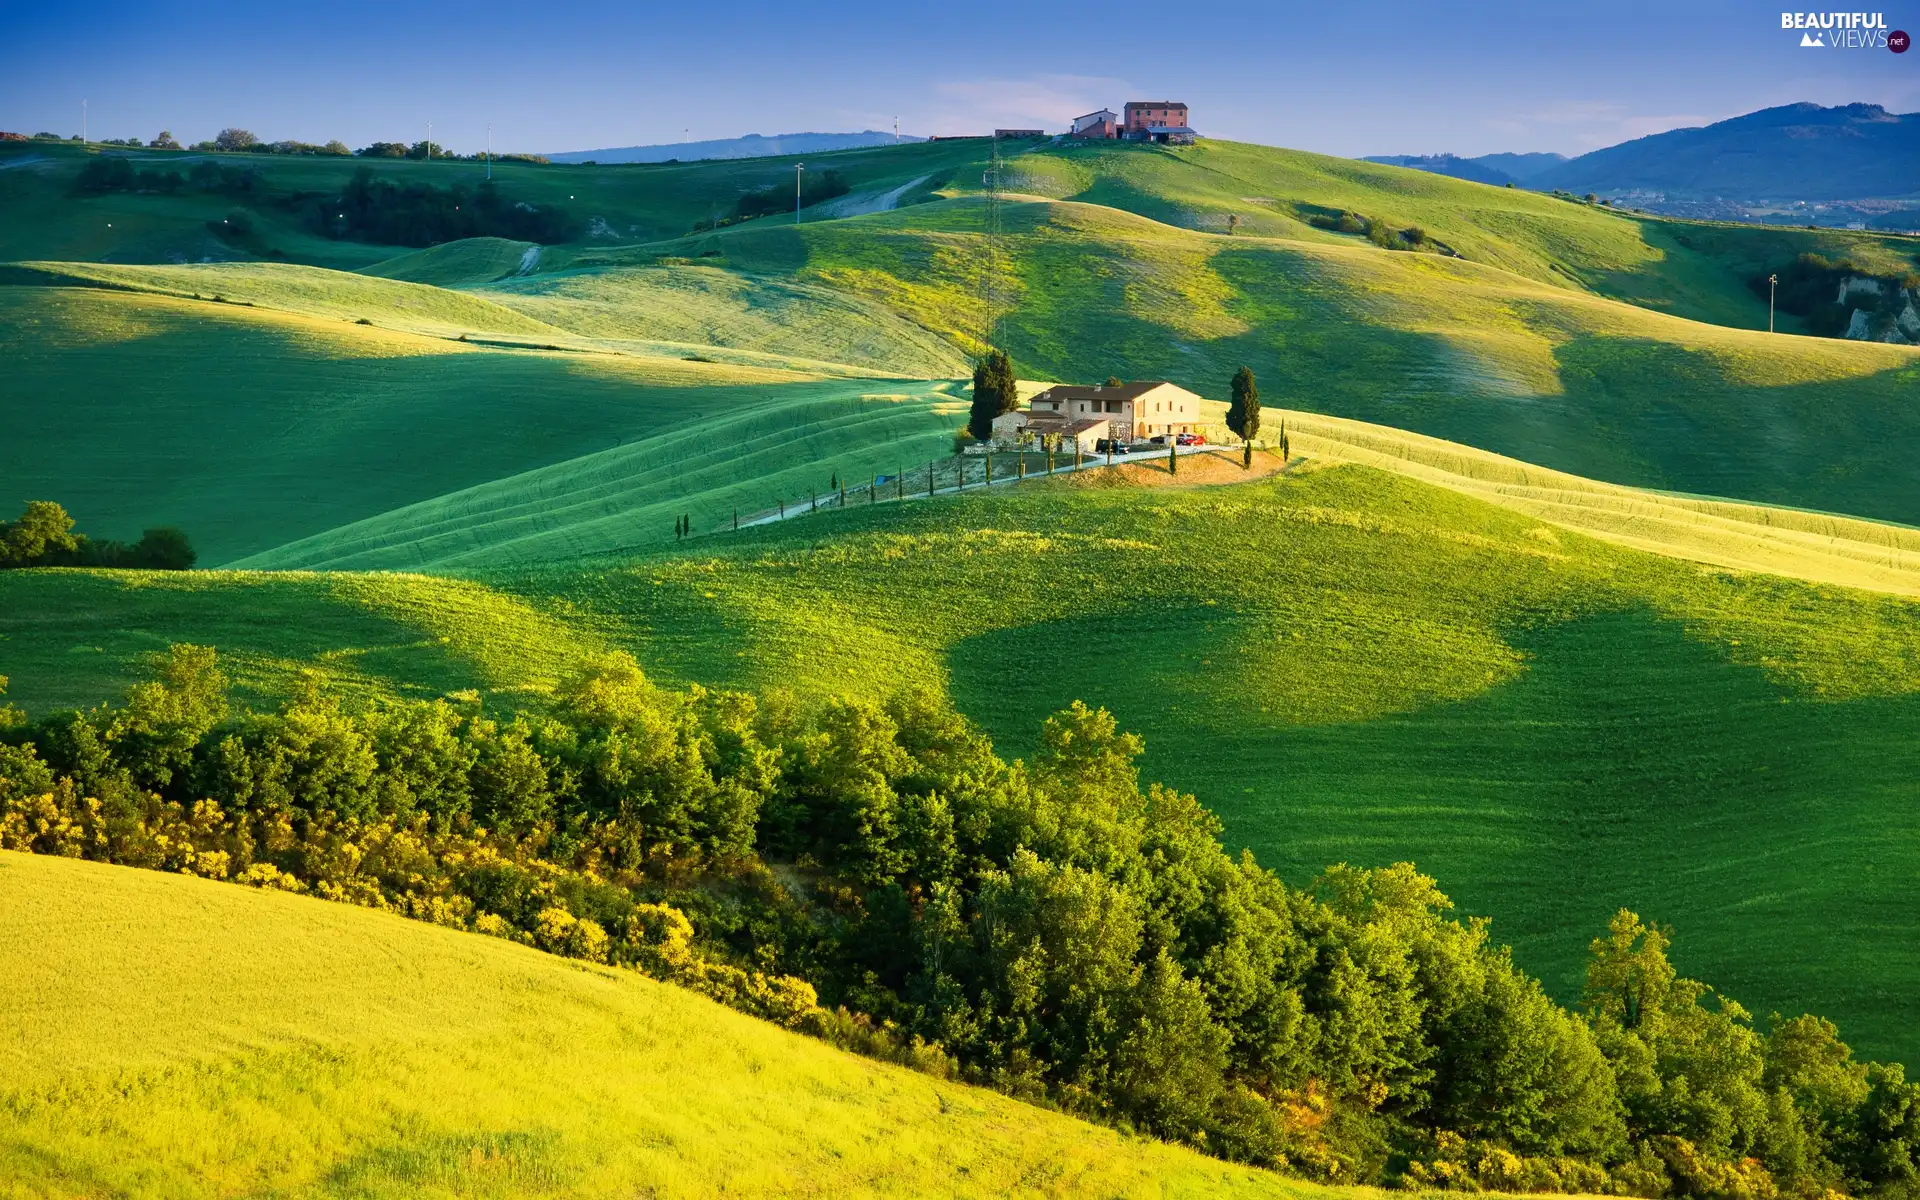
x,y
168,1036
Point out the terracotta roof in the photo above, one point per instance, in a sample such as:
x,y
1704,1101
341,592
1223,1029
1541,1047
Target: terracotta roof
x,y
1126,391
1155,104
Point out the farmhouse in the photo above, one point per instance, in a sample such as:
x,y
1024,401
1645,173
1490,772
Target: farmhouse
x,y
1157,121
1129,412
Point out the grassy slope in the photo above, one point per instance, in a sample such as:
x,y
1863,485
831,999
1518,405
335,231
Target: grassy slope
x,y
1689,269
1352,666
251,428
1454,349
629,496
72,638
1347,664
308,291
617,203
1511,359
169,1036
697,305
457,264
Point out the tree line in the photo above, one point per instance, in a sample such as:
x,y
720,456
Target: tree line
x,y
43,537
373,208
873,873
101,176
244,141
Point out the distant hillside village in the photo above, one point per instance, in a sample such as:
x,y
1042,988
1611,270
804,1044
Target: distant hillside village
x,y
1163,121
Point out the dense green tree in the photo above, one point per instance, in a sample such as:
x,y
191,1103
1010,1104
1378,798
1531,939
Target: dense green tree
x,y
1243,412
425,764
155,734
876,874
235,139
44,528
994,392
164,548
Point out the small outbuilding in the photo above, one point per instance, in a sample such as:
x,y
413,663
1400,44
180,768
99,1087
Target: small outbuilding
x,y
1102,124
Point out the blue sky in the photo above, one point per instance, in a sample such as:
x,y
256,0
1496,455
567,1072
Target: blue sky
x,y
1389,77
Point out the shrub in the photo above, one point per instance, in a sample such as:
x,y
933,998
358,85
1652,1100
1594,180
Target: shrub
x,y
1049,928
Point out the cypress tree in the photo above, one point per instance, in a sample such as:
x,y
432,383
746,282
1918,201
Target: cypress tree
x,y
994,392
1243,412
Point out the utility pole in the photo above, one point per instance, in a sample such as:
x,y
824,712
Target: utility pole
x,y
83,122
896,131
1772,282
429,141
797,168
991,279
489,149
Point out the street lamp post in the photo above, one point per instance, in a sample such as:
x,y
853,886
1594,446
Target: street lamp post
x,y
797,168
1772,281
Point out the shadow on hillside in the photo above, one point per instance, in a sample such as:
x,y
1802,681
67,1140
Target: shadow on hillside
x,y
1628,765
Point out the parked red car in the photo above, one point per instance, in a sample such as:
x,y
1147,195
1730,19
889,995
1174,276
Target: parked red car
x,y
1190,439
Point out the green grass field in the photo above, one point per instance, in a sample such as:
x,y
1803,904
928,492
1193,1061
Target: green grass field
x,y
1537,657
302,445
1350,666
1474,354
1347,663
308,424
169,1036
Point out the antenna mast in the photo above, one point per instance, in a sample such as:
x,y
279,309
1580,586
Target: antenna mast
x,y
992,281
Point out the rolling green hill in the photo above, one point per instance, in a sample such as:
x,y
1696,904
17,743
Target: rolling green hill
x,y
170,1036
627,203
1542,373
253,428
1346,662
1557,694
1548,374
572,352
1352,666
1689,269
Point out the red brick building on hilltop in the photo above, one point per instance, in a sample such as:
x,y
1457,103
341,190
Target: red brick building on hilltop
x,y
1145,121
1142,115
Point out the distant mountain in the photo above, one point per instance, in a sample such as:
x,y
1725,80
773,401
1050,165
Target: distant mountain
x,y
753,145
1520,166
1795,152
1497,169
1448,164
